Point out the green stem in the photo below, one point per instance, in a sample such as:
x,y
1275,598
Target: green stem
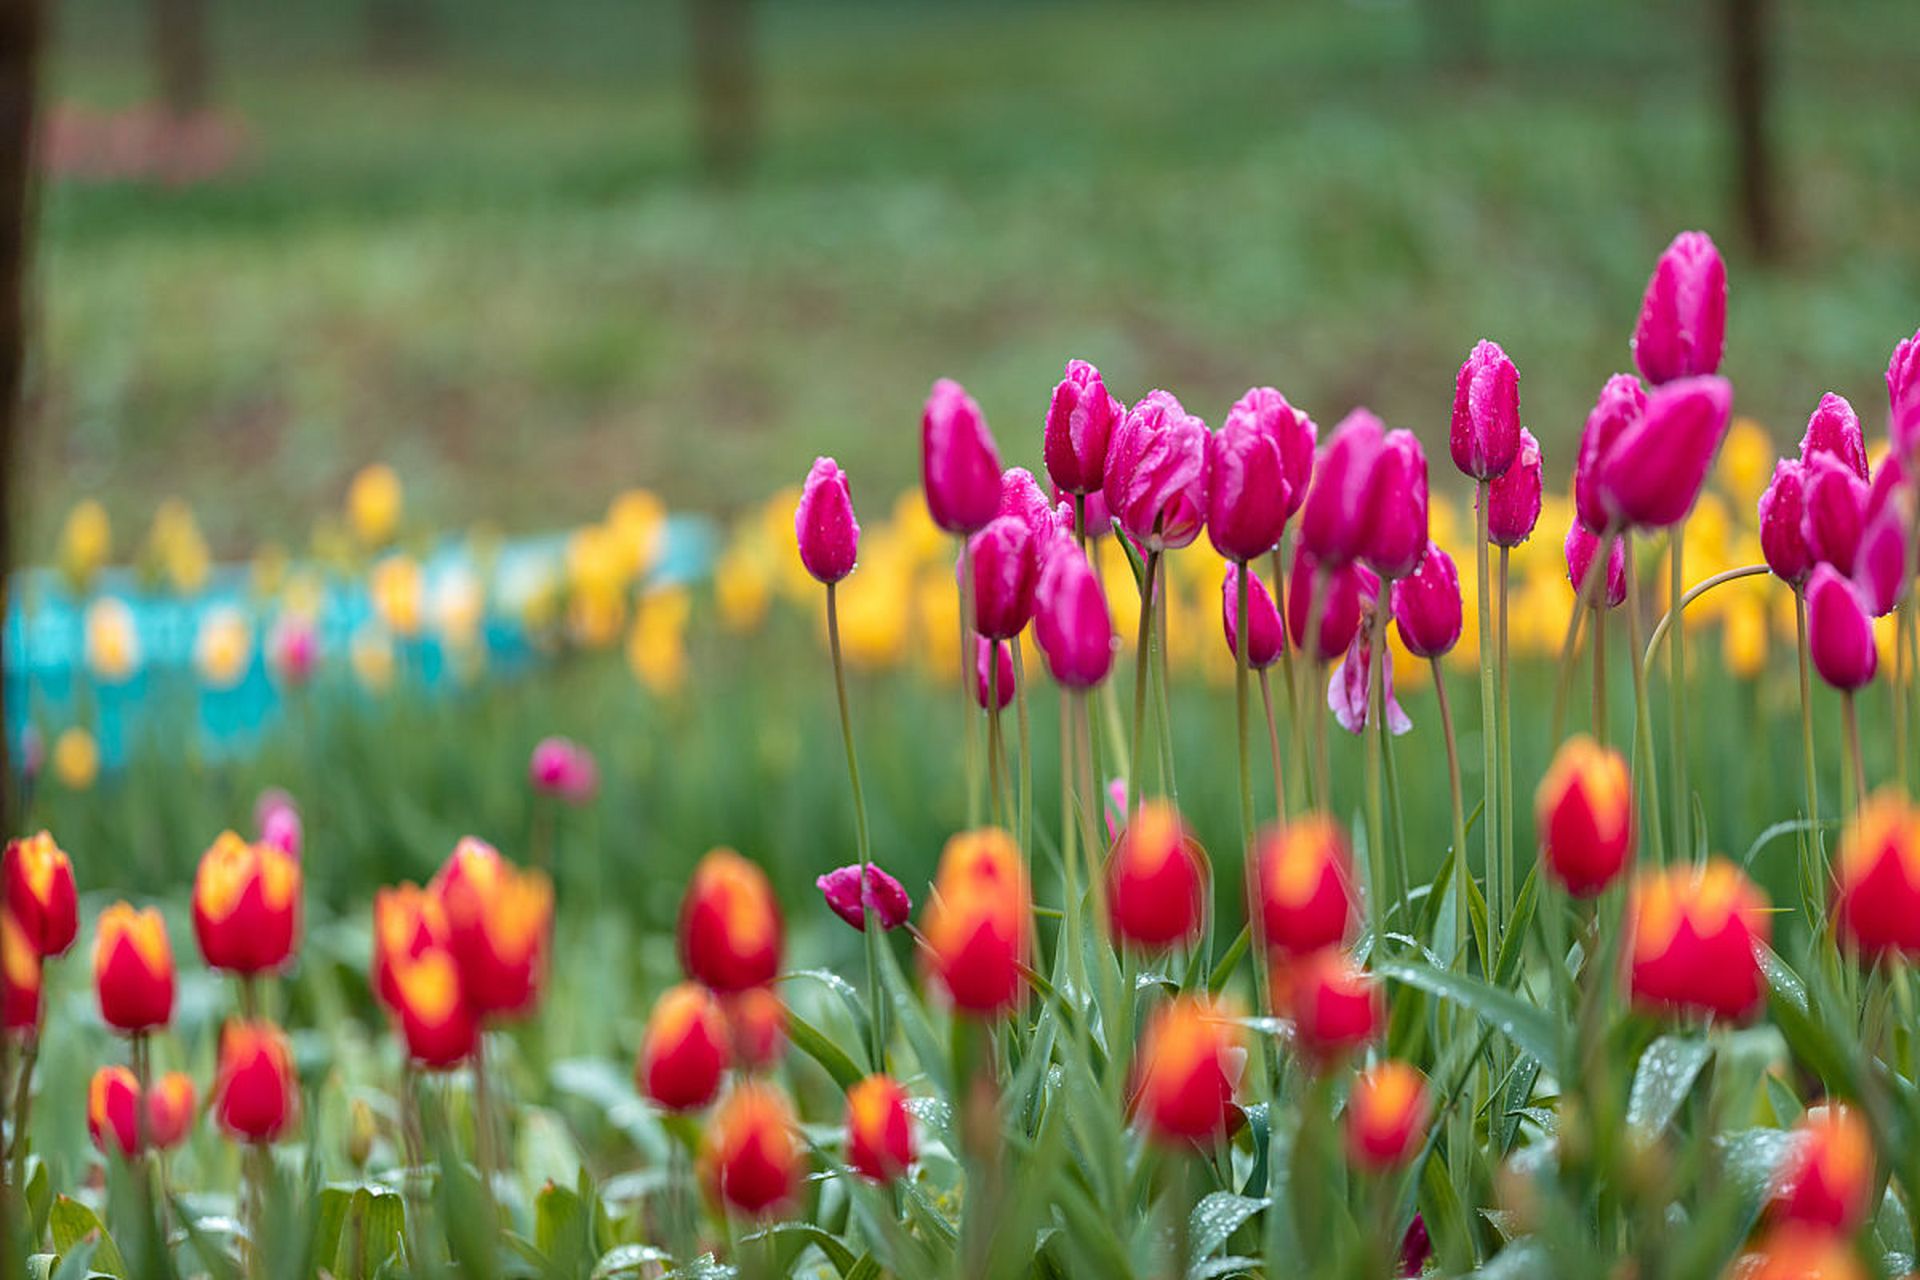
x,y
1162,683
23,1106
1142,663
1024,727
1644,768
876,1007
1806,722
1677,688
1377,724
1850,715
1600,673
1460,872
1583,596
1489,734
1240,672
1281,802
1507,871
1305,706
969,726
1668,622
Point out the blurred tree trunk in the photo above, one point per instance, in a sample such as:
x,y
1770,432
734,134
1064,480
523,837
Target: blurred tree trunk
x,y
181,58
726,96
21,29
1746,31
1457,34
402,33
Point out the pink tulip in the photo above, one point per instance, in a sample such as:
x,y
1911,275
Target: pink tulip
x,y
277,820
1621,405
1348,689
1834,429
1021,497
1651,475
1292,428
563,768
1839,632
1903,397
959,465
1005,568
1427,606
1070,619
1835,511
1099,523
1247,489
1485,438
1080,423
1513,499
1116,807
1156,476
1582,545
1334,520
1341,592
1683,316
1882,567
884,896
293,650
994,684
1783,539
1397,497
1266,639
823,522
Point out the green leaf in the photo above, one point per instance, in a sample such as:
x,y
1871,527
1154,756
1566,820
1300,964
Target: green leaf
x,y
1215,1218
1661,1082
1529,1027
77,1263
562,1230
72,1222
837,1253
808,1039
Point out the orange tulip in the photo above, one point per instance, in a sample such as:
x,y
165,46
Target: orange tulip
x,y
36,884
170,1106
749,1160
499,919
976,922
407,922
1876,869
246,905
113,1110
1583,813
1156,880
1335,1006
19,977
133,968
1827,1179
685,1052
758,1020
436,1023
1190,1056
1794,1251
730,930
254,1086
1306,885
1387,1116
879,1130
1696,934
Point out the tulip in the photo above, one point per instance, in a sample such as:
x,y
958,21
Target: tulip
x,y
277,820
170,1106
992,673
293,648
1021,498
113,1111
1156,475
686,1050
133,968
959,466
1190,1055
1335,1007
1793,1251
1266,639
1696,934
1835,512
1583,812
884,896
1307,900
1157,880
1350,696
1881,570
1827,1179
1387,1116
1783,539
757,1021
1651,475
1341,591
36,886
1080,422
1485,438
1005,565
1619,408
1839,631
1292,428
730,930
1876,872
824,524
1903,397
1416,1247
438,1026
1099,522
246,906
1582,545
1247,491
1834,429
20,977
1427,605
499,919
976,925
408,921
1071,623
1683,316
1513,499
749,1160
254,1088
879,1130
564,769
1369,498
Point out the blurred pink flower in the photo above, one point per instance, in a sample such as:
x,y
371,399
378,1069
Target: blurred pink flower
x,y
563,768
277,820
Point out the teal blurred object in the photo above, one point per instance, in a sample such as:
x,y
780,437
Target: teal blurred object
x,y
49,685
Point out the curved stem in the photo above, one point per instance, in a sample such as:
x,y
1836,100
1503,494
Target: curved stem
x,y
862,843
1677,688
1665,625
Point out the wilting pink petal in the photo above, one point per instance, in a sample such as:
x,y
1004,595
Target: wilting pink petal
x,y
885,896
1347,689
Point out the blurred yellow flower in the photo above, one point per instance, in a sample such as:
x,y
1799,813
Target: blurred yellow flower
x,y
223,647
656,646
177,549
112,640
638,521
395,587
375,501
86,542
76,759
370,654
1746,461
458,605
742,589
594,618
1743,642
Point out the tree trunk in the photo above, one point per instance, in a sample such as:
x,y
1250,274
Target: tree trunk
x,y
182,63
1746,28
725,93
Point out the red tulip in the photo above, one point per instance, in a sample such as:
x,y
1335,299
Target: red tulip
x,y
1306,891
1583,812
1834,429
36,885
1581,547
992,673
749,1160
1621,405
1157,880
1513,499
170,1106
255,1090
1835,511
1795,1251
977,922
1080,422
1696,931
1247,488
824,524
1485,436
408,921
438,1026
1156,475
20,977
730,928
1783,539
133,968
686,1050
246,905
1005,565
1071,623
1427,606
1191,1053
113,1111
1876,873
1266,637
757,1020
1335,1006
1388,1113
1839,631
884,896
1827,1179
959,466
1683,317
1341,593
499,922
1903,397
879,1131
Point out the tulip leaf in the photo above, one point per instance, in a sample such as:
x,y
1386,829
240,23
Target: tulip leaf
x,y
72,1222
77,1262
1527,1025
1216,1217
809,1040
807,1234
1661,1082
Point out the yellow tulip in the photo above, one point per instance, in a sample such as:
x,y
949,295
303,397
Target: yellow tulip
x,y
86,542
396,590
76,759
374,504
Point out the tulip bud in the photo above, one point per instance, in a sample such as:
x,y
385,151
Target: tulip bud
x,y
1835,511
824,524
1621,405
499,919
1827,1179
1071,623
1654,470
1485,438
1397,495
437,1024
749,1160
1387,1116
1247,496
20,977
133,968
1021,498
36,885
1903,397
1582,545
1340,590
1876,872
757,1021
1794,1251
1783,539
254,1089
170,1107
1156,474
1834,429
1335,1006
885,896
1157,880
686,1050
992,673
113,1111
361,1132
564,769
1427,606
959,465
977,922
879,1130
1266,639
1190,1055
246,905
1696,932
1334,519
1293,430
1080,422
1683,316
1513,499
1583,813
408,921
730,928
277,818
1306,886
1005,566
1839,631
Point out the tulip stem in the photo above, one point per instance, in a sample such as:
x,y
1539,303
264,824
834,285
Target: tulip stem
x,y
1897,687
23,1105
1280,804
1643,764
1806,719
1162,683
1459,821
1377,722
1490,764
1025,730
1677,687
1584,595
1240,691
1667,624
1284,803
1599,673
967,677
1506,738
868,925
483,1135
1304,707
1142,661
1850,716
